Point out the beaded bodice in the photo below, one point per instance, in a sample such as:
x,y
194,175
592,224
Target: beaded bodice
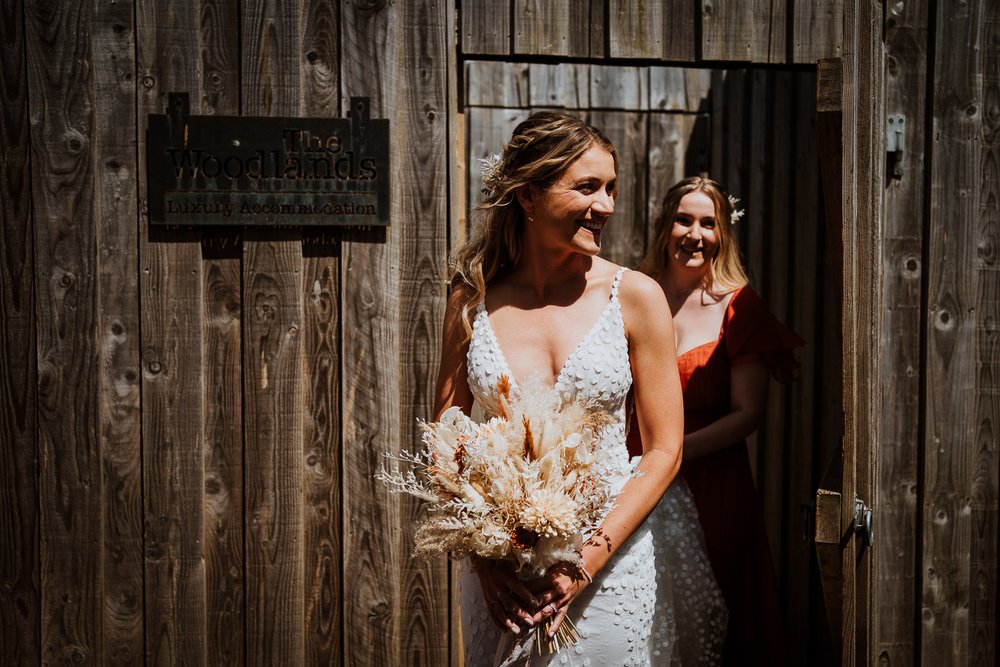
x,y
596,373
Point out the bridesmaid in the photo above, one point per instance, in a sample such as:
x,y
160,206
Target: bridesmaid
x,y
727,345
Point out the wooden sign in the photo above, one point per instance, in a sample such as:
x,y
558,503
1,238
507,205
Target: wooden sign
x,y
238,170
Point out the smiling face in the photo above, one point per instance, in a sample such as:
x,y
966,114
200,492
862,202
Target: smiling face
x,y
693,243
573,211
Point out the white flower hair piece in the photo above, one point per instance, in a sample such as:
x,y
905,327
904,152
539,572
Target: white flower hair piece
x,y
491,168
737,212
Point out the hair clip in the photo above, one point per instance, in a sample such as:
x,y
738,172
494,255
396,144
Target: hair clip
x,y
737,213
491,168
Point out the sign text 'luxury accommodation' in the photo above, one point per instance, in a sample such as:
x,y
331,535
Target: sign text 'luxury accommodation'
x,y
225,170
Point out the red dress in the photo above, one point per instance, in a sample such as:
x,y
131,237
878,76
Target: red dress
x,y
722,484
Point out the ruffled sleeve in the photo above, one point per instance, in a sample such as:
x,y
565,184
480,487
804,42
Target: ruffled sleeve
x,y
752,333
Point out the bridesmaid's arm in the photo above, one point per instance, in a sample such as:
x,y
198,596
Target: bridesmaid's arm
x,y
747,398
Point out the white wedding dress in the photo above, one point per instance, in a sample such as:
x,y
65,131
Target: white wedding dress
x,y
656,602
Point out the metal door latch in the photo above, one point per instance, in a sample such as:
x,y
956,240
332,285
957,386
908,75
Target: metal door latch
x,y
863,522
895,140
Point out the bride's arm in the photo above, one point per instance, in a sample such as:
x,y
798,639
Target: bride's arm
x,y
660,412
508,601
453,380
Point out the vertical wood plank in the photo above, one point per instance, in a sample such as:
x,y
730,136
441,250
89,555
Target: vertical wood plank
x,y
565,85
551,28
818,30
616,87
906,67
394,298
724,30
768,39
983,559
222,314
851,136
495,84
674,141
803,407
171,288
636,29
864,294
272,364
598,29
20,640
488,130
117,333
831,434
486,27
679,88
681,19
956,464
59,59
624,240
323,545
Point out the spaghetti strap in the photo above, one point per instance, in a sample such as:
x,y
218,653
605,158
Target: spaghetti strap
x,y
617,281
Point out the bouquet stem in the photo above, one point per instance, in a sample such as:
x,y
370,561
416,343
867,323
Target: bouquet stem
x,y
567,635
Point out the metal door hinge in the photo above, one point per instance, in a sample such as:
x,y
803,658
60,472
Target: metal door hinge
x,y
864,522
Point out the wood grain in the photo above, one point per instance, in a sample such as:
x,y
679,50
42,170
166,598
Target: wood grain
x,y
616,87
863,291
624,240
70,471
323,497
272,363
551,28
171,288
682,23
818,30
496,84
565,85
393,299
952,459
724,32
906,71
20,636
487,131
222,304
768,30
636,29
486,27
679,88
983,559
116,217
672,138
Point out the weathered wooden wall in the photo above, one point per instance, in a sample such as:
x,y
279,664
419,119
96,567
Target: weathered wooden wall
x,y
939,458
678,31
191,418
754,131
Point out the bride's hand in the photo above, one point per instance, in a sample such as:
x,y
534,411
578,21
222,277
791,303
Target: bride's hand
x,y
508,600
555,590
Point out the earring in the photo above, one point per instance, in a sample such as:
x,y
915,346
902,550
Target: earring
x,y
530,219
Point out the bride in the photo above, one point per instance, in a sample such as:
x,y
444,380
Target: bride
x,y
531,300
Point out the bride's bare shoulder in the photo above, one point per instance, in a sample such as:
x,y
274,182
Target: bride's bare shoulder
x,y
639,291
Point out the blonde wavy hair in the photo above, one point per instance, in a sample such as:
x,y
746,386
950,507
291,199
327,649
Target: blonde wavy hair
x,y
725,272
539,152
